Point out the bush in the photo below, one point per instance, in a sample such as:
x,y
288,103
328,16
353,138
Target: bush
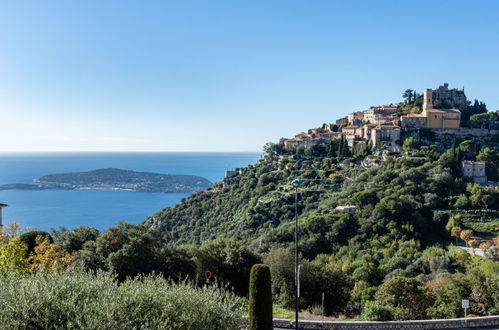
x,y
29,239
85,301
260,298
375,312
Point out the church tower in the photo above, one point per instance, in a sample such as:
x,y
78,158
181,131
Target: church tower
x,y
427,100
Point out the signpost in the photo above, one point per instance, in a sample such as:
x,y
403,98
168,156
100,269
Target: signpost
x,y
207,274
465,304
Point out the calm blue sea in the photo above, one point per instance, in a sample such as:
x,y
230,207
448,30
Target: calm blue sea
x,y
100,209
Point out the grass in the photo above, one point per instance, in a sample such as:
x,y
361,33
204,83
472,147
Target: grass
x,y
282,313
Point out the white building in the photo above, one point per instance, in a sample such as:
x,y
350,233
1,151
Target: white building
x,y
474,171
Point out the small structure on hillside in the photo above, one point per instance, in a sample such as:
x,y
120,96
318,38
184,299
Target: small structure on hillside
x,y
1,207
231,173
474,171
346,208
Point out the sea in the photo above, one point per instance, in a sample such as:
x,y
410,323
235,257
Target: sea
x,y
101,209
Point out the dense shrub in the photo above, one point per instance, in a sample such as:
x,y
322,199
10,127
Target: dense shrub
x,y
260,298
316,277
229,261
375,312
85,301
29,239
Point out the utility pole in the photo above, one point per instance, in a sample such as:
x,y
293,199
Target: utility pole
x,y
296,183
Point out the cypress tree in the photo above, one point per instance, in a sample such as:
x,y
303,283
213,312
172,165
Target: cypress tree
x,y
260,298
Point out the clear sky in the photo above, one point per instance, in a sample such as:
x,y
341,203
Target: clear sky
x,y
225,75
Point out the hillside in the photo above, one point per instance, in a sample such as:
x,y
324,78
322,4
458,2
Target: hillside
x,y
113,178
396,250
404,197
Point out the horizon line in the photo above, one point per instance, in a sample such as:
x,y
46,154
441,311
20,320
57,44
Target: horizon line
x,y
128,151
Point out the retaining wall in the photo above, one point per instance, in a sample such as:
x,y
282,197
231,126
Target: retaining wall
x,y
473,322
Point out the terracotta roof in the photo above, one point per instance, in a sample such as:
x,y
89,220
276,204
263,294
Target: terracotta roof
x,y
443,110
414,115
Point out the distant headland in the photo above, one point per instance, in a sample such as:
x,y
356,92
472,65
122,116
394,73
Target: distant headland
x,y
116,179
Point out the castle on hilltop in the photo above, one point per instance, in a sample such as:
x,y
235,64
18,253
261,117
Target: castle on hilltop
x,y
441,109
382,125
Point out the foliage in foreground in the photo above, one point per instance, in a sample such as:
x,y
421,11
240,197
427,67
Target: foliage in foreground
x,y
84,301
260,298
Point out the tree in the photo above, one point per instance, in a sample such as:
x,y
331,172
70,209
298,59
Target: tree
x,y
407,296
30,239
282,271
229,261
466,235
474,243
456,232
48,256
411,144
12,251
260,298
488,155
73,240
485,245
408,96
447,293
140,254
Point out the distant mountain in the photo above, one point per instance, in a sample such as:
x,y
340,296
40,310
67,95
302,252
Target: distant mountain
x,y
117,179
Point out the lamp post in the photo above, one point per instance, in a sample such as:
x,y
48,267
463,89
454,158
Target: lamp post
x,y
296,183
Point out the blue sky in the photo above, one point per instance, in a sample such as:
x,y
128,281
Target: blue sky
x,y
225,75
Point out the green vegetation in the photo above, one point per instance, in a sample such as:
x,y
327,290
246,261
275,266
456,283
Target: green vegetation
x,y
260,298
82,300
282,313
411,144
393,258
472,110
29,239
400,231
375,312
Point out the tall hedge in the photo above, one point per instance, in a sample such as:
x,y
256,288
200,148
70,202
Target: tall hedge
x,y
260,298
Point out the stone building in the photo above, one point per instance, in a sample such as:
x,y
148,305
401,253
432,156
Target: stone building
x,y
350,130
445,98
388,135
474,171
434,116
381,114
356,118
413,120
439,117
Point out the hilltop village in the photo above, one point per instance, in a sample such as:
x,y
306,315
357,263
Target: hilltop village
x,y
440,110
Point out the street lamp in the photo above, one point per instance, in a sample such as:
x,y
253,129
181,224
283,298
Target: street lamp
x,y
296,183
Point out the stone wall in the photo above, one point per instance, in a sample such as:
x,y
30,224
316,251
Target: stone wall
x,y
443,97
483,137
468,132
474,322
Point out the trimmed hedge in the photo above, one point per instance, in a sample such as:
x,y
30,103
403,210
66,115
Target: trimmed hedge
x,y
260,298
